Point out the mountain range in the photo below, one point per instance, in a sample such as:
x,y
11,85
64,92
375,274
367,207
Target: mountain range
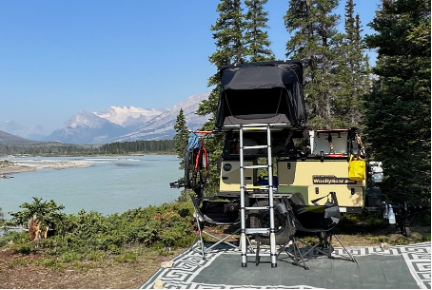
x,y
115,124
10,139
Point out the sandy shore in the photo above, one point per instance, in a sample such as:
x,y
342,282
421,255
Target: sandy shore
x,y
17,167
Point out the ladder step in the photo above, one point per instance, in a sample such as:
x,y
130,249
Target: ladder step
x,y
257,231
256,147
255,166
257,207
254,128
256,187
260,255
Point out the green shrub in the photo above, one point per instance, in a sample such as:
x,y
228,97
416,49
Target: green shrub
x,y
93,235
23,248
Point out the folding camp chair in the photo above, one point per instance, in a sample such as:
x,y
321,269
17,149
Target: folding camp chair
x,y
319,219
207,210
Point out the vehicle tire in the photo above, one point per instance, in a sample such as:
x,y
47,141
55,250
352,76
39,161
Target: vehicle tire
x,y
261,219
189,170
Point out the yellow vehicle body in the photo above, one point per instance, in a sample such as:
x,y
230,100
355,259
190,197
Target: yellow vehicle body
x,y
230,175
315,179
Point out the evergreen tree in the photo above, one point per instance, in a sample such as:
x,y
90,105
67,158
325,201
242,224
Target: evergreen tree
x,y
398,110
228,33
181,137
352,71
181,141
257,39
316,40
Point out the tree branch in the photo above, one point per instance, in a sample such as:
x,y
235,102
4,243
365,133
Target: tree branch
x,y
5,228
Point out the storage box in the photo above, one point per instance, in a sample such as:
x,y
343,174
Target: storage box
x,y
374,197
230,175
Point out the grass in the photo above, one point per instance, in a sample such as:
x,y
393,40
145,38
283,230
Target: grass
x,y
17,262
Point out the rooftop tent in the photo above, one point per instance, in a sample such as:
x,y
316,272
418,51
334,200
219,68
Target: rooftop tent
x,y
264,93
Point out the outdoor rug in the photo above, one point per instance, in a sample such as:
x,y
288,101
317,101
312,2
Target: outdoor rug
x,y
400,267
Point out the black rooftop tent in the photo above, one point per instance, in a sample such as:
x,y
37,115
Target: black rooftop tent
x,y
262,93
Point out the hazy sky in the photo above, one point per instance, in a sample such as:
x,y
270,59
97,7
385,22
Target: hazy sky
x,y
60,57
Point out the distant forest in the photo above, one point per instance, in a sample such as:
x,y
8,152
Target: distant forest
x,y
163,146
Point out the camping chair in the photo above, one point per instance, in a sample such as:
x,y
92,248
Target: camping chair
x,y
207,210
319,219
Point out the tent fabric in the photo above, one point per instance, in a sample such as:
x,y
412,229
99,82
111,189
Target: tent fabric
x,y
265,93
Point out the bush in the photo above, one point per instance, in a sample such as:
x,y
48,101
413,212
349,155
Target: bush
x,y
93,235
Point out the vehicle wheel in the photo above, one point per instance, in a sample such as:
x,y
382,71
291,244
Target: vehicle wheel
x,y
189,170
261,219
407,231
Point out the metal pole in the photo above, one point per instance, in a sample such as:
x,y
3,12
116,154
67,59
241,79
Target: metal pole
x,y
242,204
273,254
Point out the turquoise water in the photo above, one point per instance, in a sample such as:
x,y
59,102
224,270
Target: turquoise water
x,y
110,185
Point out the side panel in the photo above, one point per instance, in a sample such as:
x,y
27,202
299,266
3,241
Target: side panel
x,y
320,178
230,175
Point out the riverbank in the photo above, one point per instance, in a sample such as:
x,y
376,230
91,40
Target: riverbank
x,y
7,167
11,167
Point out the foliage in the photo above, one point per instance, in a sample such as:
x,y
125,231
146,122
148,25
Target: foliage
x,y
92,235
229,33
256,39
181,142
316,40
138,146
181,137
2,219
53,148
352,71
45,211
48,148
5,163
239,38
398,111
230,48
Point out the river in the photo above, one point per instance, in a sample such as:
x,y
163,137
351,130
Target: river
x,y
110,185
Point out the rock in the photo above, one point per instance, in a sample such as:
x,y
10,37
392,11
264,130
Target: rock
x,y
167,264
385,246
158,284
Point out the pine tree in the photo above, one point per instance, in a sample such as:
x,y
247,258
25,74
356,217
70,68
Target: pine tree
x,y
181,141
257,39
352,71
398,110
181,137
228,33
317,42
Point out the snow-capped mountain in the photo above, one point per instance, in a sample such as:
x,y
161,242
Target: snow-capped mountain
x,y
162,126
129,117
86,128
128,123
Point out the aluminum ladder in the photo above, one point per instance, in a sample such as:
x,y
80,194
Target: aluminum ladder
x,y
243,208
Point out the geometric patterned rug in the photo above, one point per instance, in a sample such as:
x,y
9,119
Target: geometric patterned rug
x,y
400,267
